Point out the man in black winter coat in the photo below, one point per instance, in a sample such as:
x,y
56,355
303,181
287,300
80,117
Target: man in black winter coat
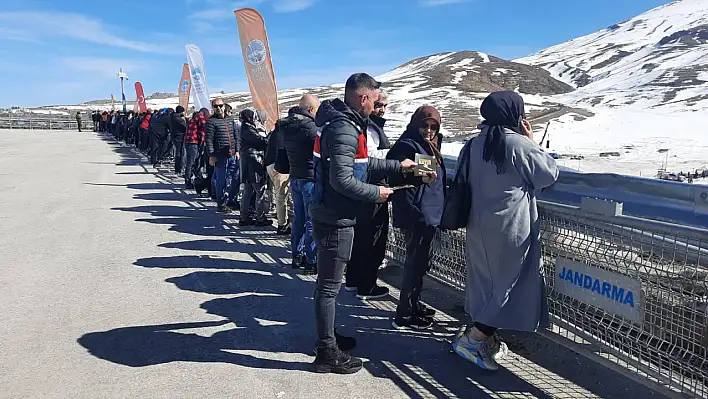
x,y
341,164
299,132
371,230
279,176
178,128
222,149
253,171
158,133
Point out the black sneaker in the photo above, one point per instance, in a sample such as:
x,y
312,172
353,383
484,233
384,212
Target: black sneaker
x,y
343,342
349,288
374,293
189,186
416,322
246,222
284,230
425,311
234,206
223,209
298,261
310,268
263,222
333,360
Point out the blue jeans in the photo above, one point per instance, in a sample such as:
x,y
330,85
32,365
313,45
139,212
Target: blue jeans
x,y
225,172
192,155
301,238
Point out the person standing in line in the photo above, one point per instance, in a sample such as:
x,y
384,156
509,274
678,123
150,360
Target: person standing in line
x,y
78,119
417,212
299,141
280,180
236,126
371,229
178,129
505,284
253,173
341,163
222,147
193,139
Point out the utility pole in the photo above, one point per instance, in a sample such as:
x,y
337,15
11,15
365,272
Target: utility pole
x,y
123,76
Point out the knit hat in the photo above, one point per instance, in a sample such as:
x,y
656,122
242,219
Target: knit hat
x,y
179,109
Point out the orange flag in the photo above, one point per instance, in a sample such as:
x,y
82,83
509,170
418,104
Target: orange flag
x,y
185,86
259,65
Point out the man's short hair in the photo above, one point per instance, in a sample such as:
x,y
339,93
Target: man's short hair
x,y
214,100
361,81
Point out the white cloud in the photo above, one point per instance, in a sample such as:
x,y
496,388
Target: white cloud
x,y
32,25
285,6
223,10
436,3
102,67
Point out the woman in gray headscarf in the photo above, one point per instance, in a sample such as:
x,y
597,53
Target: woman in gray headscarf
x,y
504,286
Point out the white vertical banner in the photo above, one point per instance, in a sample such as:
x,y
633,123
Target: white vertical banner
x,y
200,90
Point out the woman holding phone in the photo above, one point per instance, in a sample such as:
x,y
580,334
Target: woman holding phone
x,y
504,286
417,211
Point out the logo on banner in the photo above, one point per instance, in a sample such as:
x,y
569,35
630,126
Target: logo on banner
x,y
197,78
255,52
141,99
185,85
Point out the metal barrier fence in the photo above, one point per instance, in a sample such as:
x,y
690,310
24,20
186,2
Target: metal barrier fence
x,y
43,123
635,289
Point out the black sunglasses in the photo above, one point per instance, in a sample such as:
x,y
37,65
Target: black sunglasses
x,y
433,127
380,105
219,105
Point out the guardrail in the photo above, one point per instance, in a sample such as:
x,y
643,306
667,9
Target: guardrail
x,y
41,123
634,288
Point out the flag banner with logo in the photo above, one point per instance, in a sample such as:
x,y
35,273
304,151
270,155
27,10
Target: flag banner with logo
x,y
113,103
200,89
185,87
258,62
141,97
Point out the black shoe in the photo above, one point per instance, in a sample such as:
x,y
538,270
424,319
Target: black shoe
x,y
425,311
190,186
416,322
310,268
298,261
333,360
345,343
247,222
284,230
265,222
223,209
374,293
233,206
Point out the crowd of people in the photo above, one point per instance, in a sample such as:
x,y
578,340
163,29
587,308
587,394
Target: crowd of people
x,y
331,172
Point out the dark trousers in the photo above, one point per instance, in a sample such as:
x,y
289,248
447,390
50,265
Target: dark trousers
x,y
418,257
370,238
178,143
334,249
157,148
192,151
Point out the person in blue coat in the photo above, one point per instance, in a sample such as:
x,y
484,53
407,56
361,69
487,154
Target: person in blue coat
x,y
417,211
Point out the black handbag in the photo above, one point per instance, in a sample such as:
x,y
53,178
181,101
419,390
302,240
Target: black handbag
x,y
458,199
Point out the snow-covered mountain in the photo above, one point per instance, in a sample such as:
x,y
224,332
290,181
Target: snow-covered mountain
x,y
656,60
454,82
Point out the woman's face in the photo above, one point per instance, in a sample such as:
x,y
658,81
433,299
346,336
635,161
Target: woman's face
x,y
428,128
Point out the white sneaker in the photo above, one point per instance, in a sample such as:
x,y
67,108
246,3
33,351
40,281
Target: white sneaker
x,y
477,352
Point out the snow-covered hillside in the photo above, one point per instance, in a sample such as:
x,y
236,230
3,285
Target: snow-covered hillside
x,y
656,60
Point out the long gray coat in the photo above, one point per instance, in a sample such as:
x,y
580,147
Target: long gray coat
x,y
505,287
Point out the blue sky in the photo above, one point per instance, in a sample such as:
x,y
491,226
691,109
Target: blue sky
x,y
68,51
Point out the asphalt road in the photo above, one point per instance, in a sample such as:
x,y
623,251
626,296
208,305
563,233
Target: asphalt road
x,y
117,283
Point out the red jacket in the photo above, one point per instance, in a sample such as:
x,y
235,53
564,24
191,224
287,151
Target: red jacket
x,y
145,124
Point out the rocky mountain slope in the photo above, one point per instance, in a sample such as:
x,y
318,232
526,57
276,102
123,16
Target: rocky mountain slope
x,y
455,82
656,60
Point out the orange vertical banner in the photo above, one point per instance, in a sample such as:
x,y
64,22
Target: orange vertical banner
x,y
185,86
258,62
141,97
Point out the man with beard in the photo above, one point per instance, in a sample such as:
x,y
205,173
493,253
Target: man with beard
x,y
222,149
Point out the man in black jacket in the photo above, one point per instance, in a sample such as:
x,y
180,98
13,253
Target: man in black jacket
x,y
158,133
178,128
279,177
371,230
222,149
340,166
299,132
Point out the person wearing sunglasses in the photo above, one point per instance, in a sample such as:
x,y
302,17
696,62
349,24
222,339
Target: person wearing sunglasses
x,y
222,146
371,229
417,212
